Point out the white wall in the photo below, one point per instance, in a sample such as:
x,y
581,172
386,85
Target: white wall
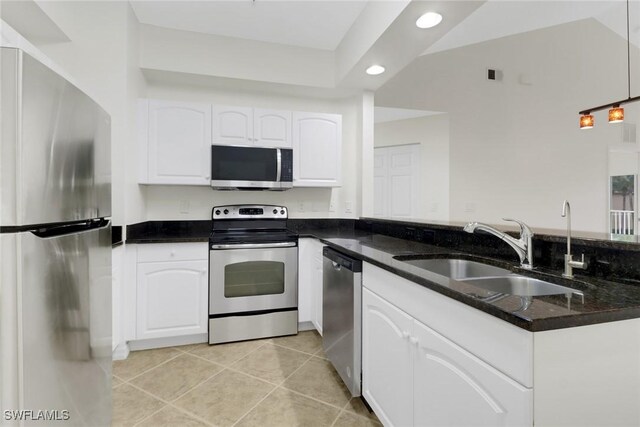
x,y
516,150
206,54
432,133
190,202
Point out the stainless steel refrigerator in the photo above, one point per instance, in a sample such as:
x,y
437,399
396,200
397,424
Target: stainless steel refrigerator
x,y
55,249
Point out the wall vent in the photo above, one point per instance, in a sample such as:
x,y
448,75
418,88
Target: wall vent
x,y
493,74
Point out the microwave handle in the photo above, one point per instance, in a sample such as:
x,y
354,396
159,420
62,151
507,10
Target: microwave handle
x,y
279,165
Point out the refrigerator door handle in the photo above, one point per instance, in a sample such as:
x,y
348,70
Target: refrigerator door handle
x,y
77,227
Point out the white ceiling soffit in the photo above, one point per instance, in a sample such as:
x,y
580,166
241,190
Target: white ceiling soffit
x,y
386,114
28,18
402,41
500,18
318,24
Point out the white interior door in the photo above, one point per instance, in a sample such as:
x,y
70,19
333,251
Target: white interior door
x,y
396,180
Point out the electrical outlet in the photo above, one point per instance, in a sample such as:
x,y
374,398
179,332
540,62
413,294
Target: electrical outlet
x,y
470,207
348,207
301,207
332,206
184,206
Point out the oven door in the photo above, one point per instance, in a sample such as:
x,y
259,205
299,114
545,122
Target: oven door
x,y
253,277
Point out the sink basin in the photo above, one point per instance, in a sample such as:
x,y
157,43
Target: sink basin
x,y
458,269
520,286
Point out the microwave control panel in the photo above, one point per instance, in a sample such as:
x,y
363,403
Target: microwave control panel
x,y
286,174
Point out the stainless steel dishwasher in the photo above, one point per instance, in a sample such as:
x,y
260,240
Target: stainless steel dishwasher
x,y
342,316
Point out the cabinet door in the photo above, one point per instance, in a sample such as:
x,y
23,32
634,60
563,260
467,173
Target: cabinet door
x,y
317,149
387,359
272,128
232,125
305,279
117,255
453,387
179,143
316,284
172,299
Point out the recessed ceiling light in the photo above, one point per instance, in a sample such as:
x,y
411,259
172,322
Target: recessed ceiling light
x,y
374,70
429,20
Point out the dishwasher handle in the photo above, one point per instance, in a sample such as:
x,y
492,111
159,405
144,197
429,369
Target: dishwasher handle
x,y
341,261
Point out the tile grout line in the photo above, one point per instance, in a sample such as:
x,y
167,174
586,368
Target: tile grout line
x,y
150,415
277,386
160,364
233,362
190,414
197,385
254,406
312,398
171,403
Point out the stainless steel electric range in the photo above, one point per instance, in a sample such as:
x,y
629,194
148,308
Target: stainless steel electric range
x,y
253,274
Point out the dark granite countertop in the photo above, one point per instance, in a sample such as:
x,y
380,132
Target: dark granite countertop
x,y
604,301
169,231
116,235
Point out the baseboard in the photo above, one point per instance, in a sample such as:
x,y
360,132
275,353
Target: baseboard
x,y
121,352
306,326
167,342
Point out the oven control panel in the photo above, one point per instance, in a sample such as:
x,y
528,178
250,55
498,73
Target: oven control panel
x,y
249,212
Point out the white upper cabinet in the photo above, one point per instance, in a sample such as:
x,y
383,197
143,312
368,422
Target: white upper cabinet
x,y
251,126
317,149
232,125
175,142
272,128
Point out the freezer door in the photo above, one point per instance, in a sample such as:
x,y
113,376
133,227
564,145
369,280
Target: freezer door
x,y
64,325
55,152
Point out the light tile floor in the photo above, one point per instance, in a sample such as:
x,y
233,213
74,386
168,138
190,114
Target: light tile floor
x,y
275,382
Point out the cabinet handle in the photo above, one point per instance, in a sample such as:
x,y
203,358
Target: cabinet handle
x,y
413,340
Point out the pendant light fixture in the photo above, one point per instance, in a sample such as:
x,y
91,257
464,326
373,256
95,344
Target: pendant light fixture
x,y
616,111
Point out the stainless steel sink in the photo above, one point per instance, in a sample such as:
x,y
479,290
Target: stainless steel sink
x,y
458,269
521,286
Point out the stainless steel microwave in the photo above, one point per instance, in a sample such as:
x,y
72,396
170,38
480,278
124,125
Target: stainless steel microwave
x,y
251,168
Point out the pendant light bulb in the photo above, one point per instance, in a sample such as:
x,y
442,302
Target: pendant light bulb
x,y
586,121
616,114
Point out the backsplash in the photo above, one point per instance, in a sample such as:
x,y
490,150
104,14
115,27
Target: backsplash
x,y
619,261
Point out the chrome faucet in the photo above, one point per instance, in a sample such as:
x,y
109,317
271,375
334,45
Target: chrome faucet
x,y
569,263
522,246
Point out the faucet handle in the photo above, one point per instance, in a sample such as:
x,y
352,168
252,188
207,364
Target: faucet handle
x,y
524,228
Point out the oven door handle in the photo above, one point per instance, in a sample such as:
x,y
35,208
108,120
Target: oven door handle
x,y
255,245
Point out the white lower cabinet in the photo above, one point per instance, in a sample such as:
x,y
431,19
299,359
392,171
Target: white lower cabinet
x,y
117,255
172,292
310,282
453,387
387,361
414,376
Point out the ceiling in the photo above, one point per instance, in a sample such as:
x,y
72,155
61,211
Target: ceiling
x,y
319,24
497,18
